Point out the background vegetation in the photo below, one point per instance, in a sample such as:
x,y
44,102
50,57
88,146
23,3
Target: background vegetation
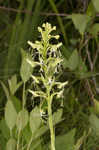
x,y
76,115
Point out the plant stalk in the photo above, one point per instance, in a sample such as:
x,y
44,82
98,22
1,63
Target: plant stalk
x,y
52,134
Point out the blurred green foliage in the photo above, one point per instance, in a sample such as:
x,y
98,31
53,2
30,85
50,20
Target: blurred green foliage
x,y
78,26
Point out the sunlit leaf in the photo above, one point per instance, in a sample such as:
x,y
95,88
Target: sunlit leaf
x,y
22,119
11,144
10,114
16,103
35,119
96,4
94,122
4,129
13,84
26,68
96,106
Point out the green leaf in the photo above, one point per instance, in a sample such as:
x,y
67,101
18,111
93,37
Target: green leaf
x,y
95,29
26,132
65,52
13,84
80,21
37,144
96,106
82,68
35,120
41,131
94,122
4,129
96,4
73,60
26,68
2,142
5,90
57,116
65,63
80,141
83,75
10,114
16,103
11,144
22,119
91,10
66,142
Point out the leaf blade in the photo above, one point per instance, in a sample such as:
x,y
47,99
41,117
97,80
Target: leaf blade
x,y
10,114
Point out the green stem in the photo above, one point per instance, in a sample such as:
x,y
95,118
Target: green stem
x,y
11,133
52,134
24,98
18,140
28,147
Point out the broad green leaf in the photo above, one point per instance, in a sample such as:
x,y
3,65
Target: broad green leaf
x,y
66,142
35,120
2,142
57,116
80,21
91,10
22,119
26,68
73,60
26,132
4,129
41,131
94,122
96,4
13,84
95,29
16,103
10,114
11,144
